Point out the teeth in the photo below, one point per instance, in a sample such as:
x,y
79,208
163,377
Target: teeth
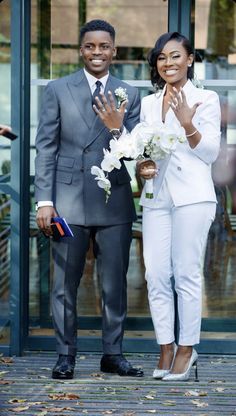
x,y
97,61
171,71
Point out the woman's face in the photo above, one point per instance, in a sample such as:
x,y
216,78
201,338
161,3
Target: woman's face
x,y
172,63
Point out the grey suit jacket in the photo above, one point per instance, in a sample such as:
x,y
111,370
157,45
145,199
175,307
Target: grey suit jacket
x,y
70,139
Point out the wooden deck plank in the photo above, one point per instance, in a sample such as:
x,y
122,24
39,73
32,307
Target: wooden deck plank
x,y
103,394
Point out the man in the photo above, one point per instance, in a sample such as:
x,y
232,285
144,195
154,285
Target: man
x,y
70,140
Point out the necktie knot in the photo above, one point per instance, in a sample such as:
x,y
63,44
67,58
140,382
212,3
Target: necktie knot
x,y
97,91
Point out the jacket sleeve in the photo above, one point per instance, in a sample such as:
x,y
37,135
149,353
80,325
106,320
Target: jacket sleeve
x,y
47,142
133,113
208,119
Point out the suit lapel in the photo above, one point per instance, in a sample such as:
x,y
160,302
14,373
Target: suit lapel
x,y
81,94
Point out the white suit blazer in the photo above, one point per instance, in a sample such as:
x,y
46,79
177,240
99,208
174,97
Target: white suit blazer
x,y
187,171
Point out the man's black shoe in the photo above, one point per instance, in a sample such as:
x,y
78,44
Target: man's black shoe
x,y
118,364
64,368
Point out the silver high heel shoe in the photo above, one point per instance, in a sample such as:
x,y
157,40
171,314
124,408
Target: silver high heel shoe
x,y
185,376
159,373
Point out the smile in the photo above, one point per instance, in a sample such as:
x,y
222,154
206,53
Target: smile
x,y
171,71
96,61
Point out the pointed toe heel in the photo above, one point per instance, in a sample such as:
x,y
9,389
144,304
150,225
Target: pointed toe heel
x,y
185,376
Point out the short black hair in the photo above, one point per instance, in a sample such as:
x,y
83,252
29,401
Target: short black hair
x,y
156,51
97,24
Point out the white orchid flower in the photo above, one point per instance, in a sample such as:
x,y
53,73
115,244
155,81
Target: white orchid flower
x,y
110,161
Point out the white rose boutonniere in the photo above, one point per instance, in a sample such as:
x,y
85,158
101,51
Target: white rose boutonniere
x,y
121,95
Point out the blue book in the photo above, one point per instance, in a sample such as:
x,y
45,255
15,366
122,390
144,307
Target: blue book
x,y
65,226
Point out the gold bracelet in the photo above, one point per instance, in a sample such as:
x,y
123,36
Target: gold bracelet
x,y
192,134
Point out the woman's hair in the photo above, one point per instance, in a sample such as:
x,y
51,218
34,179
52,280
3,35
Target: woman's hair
x,y
156,51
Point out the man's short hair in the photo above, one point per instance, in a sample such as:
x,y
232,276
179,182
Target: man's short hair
x,y
97,24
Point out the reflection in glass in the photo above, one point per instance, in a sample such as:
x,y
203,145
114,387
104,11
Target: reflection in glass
x,y
4,267
215,44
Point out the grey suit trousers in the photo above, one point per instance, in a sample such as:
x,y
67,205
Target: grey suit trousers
x,y
111,244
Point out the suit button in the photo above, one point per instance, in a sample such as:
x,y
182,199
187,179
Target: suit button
x,y
179,168
82,170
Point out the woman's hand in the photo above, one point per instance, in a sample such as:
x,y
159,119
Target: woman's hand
x,y
179,105
146,169
108,113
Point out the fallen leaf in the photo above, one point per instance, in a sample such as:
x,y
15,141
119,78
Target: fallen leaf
x,y
151,411
149,397
64,396
97,375
6,360
6,382
3,372
195,393
60,409
15,400
129,414
19,409
198,403
169,403
82,357
108,412
45,368
219,389
217,381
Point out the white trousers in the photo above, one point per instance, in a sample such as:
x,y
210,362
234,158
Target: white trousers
x,y
174,240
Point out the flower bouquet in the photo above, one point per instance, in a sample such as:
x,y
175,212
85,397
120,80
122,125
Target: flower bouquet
x,y
145,140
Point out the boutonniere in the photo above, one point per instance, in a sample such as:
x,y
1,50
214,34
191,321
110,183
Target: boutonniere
x,y
121,95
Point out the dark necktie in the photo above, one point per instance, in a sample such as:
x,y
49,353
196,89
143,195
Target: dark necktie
x,y
96,92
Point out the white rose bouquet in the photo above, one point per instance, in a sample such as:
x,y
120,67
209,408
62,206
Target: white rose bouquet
x,y
145,140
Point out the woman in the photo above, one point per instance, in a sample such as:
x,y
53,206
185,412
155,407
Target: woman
x,y
177,219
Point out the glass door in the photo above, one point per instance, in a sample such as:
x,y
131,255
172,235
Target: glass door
x,y
215,44
55,53
5,170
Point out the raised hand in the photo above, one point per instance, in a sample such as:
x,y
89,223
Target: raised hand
x,y
179,105
107,111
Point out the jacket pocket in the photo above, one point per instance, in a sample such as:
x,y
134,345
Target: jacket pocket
x,y
67,162
64,177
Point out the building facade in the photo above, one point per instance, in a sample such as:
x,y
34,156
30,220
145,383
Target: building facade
x,y
39,41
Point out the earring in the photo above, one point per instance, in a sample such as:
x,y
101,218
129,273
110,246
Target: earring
x,y
189,65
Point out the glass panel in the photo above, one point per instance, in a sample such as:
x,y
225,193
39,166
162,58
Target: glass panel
x,y
5,86
4,268
55,52
215,44
5,106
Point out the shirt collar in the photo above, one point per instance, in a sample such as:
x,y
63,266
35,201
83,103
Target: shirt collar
x,y
92,80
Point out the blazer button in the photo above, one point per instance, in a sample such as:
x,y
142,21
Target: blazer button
x,y
179,168
82,170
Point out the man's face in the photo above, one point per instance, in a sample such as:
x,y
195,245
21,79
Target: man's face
x,y
97,50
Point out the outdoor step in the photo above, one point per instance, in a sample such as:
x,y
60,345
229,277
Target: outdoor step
x,y
96,393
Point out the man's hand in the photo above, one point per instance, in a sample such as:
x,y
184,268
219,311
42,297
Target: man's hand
x,y
108,113
43,218
4,129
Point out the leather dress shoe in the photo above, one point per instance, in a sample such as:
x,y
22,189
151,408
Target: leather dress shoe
x,y
64,368
119,365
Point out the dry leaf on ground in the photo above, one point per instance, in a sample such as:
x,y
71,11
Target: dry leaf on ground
x,y
64,396
196,393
